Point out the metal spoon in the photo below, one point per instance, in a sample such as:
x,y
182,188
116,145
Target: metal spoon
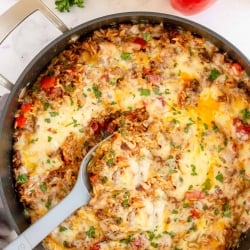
x,y
78,197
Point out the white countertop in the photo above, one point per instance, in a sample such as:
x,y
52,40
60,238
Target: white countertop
x,y
229,18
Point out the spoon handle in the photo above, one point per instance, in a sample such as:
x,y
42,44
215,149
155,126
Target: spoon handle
x,y
47,223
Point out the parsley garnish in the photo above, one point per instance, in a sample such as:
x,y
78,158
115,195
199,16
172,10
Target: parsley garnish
x,y
91,232
22,178
146,36
214,74
48,204
219,177
48,120
125,202
62,229
97,92
65,5
144,92
46,106
227,210
127,240
43,186
193,170
125,56
245,114
53,113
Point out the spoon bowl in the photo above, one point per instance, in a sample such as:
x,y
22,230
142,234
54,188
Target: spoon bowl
x,y
78,196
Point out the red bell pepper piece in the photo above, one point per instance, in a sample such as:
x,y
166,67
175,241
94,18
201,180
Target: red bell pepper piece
x,y
48,82
20,121
141,42
26,107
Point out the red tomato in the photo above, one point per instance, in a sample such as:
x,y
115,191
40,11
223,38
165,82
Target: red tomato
x,y
48,82
20,121
190,7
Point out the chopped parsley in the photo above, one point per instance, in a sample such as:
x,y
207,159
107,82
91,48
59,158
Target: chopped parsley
x,y
214,74
48,120
43,186
219,177
125,202
146,36
215,128
22,178
216,211
144,92
97,92
245,113
125,56
62,229
46,106
193,167
65,5
91,232
127,240
74,123
68,88
48,203
227,210
53,114
174,211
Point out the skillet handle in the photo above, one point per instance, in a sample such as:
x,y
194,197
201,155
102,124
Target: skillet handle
x,y
21,10
18,13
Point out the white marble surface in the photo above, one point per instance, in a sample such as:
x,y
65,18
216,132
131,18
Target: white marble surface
x,y
229,18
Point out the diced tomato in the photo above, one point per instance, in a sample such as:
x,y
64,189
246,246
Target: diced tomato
x,y
20,121
141,42
48,82
242,129
194,195
195,213
236,68
26,107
